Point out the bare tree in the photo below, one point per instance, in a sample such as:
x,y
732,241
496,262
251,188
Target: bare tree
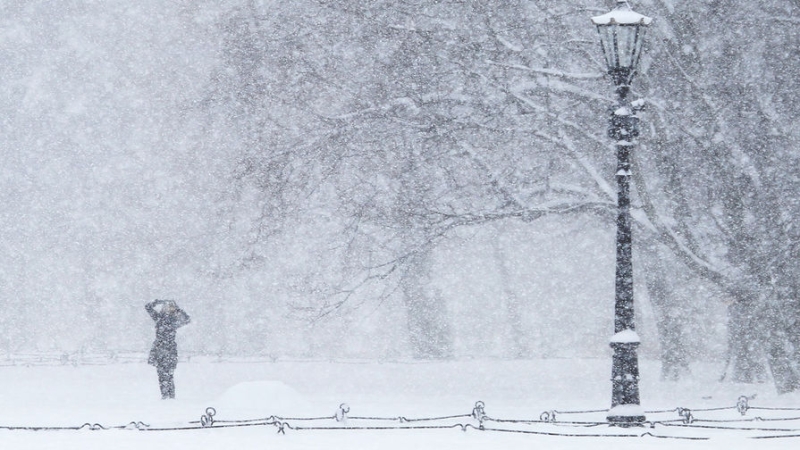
x,y
721,115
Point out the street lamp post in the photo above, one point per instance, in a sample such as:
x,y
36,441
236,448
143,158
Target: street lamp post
x,y
621,34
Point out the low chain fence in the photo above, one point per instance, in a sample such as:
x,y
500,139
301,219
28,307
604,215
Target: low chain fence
x,y
740,418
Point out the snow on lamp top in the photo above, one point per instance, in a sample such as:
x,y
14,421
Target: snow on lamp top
x,y
621,17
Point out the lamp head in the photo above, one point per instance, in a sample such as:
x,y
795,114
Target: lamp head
x,y
621,36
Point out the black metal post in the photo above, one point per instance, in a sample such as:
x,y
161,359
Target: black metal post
x,y
625,409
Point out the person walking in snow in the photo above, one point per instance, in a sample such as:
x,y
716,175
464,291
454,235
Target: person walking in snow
x,y
164,354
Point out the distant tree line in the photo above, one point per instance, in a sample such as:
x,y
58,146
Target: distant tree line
x,y
407,120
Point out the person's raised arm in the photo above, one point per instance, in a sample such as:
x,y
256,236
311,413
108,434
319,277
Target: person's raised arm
x,y
151,308
183,318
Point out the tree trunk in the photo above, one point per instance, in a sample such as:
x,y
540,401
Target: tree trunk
x,y
745,349
671,337
781,351
519,348
784,373
428,325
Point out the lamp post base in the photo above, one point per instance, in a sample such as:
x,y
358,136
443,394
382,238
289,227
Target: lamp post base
x,y
626,416
626,421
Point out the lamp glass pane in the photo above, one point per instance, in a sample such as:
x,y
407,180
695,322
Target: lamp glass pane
x,y
627,45
607,41
639,41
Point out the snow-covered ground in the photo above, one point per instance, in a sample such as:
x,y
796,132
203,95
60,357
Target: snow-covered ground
x,y
54,395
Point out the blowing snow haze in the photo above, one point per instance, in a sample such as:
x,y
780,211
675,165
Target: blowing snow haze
x,y
415,179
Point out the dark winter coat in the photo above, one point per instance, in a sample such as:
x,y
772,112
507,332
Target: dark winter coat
x,y
164,353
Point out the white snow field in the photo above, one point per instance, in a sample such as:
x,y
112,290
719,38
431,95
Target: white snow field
x,y
47,405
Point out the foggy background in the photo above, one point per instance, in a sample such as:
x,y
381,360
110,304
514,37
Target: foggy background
x,y
391,180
